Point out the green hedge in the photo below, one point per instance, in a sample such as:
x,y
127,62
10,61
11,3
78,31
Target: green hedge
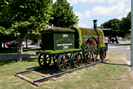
x,y
79,34
102,37
96,33
86,32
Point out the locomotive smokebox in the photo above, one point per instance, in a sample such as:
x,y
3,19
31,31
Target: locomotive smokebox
x,y
95,24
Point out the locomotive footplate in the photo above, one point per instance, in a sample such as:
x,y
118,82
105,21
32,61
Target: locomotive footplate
x,y
37,82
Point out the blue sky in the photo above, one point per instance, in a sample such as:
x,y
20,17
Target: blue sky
x,y
102,10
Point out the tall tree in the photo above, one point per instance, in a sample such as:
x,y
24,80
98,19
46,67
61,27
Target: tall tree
x,y
28,16
115,31
126,24
5,22
63,15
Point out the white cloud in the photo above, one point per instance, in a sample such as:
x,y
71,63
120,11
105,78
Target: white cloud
x,y
125,15
110,10
128,9
82,25
54,1
120,17
89,1
74,1
80,15
87,13
93,1
67,0
114,1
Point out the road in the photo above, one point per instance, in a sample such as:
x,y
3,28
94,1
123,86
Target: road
x,y
121,48
29,46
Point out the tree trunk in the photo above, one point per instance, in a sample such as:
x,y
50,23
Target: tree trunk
x,y
58,24
116,40
4,44
20,50
26,42
109,39
0,44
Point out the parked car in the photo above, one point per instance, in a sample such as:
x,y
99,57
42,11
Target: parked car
x,y
119,38
12,44
33,43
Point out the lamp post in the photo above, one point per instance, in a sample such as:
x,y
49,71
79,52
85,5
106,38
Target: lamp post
x,y
131,33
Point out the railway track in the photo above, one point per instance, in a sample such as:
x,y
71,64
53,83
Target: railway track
x,y
37,82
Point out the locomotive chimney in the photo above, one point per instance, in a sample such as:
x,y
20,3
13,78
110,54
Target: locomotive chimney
x,y
95,24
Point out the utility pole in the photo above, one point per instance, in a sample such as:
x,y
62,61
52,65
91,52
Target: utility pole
x,y
131,33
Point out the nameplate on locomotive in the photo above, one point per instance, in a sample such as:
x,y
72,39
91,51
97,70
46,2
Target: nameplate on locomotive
x,y
64,41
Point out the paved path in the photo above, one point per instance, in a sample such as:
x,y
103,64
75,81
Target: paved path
x,y
122,49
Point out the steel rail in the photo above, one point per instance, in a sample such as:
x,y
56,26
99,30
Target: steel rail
x,y
69,71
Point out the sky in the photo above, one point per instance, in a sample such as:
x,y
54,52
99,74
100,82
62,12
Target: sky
x,y
101,10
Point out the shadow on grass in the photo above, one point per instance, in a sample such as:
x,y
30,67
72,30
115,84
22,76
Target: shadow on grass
x,y
52,69
11,61
8,51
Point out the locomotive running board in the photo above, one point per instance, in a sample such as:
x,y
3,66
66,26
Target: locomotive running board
x,y
45,77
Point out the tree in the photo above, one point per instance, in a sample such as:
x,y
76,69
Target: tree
x,y
126,24
63,15
5,22
115,31
28,16
35,38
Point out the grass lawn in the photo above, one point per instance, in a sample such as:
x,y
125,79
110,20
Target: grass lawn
x,y
112,74
9,51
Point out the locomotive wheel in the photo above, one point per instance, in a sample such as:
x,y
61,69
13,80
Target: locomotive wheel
x,y
90,48
44,60
77,59
63,62
55,59
103,53
91,56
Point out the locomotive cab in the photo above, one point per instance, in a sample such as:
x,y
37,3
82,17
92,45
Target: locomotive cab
x,y
57,38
